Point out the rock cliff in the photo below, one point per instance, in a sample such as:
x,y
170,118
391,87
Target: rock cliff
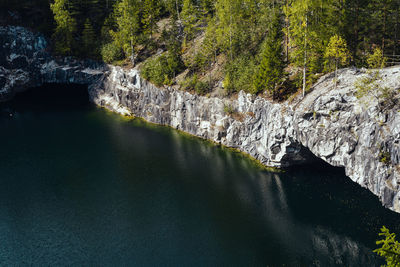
x,y
329,122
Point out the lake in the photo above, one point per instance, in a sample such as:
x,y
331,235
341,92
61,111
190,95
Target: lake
x,y
84,187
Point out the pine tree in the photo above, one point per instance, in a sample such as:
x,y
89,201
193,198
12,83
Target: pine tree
x,y
66,27
207,7
234,28
127,18
173,7
390,248
271,72
189,17
151,12
89,39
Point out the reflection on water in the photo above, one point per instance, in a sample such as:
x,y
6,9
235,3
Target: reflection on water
x,y
262,196
81,186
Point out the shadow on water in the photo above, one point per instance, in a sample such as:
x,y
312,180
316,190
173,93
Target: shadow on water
x,y
82,186
49,97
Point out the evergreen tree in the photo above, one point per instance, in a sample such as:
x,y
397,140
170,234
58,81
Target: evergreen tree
x,y
173,7
189,17
151,13
66,27
89,39
355,20
207,7
127,18
390,248
228,18
236,31
271,72
309,31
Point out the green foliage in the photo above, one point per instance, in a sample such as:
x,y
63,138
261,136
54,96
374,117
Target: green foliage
x,y
385,157
310,27
337,51
193,83
376,60
189,83
189,17
202,88
228,109
270,72
79,23
389,248
161,70
151,13
111,52
241,24
238,75
206,55
173,7
66,27
242,36
89,40
126,15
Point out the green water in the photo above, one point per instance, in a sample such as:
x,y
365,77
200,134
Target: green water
x,y
80,186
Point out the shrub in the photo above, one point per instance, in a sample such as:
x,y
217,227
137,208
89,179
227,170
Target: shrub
x,y
239,74
202,88
189,83
376,60
228,109
111,52
193,83
384,156
162,70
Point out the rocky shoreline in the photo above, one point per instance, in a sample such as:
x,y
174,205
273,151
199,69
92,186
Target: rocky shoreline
x,y
329,122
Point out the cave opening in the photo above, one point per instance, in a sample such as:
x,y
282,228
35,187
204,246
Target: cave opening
x,y
315,163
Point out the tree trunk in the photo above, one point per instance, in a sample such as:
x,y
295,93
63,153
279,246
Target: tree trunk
x,y
230,32
384,28
287,33
177,10
132,54
305,58
356,32
396,32
210,76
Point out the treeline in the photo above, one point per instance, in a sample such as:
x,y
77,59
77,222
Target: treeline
x,y
34,14
261,45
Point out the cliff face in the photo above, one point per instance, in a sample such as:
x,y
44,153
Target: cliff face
x,y
330,122
25,62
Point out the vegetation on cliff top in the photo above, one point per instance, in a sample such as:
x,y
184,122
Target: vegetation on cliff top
x,y
274,46
389,248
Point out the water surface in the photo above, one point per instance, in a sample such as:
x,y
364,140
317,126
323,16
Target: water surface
x,y
81,186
